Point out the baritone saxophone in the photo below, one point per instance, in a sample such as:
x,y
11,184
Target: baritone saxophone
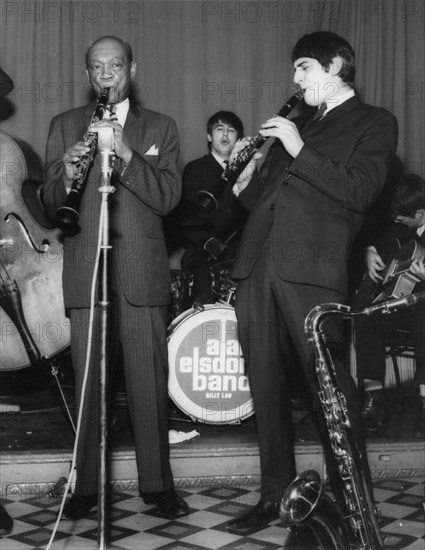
x,y
304,502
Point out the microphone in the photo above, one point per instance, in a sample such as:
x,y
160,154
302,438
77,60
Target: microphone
x,y
105,145
390,305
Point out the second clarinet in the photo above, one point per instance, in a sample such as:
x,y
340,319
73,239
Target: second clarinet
x,y
241,160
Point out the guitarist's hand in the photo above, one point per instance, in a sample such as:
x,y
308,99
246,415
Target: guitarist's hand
x,y
418,268
374,264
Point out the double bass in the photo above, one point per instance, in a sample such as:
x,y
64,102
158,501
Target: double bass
x,y
33,325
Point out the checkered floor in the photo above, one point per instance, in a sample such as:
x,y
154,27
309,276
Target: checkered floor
x,y
137,526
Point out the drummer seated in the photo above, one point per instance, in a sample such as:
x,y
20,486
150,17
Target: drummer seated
x,y
209,236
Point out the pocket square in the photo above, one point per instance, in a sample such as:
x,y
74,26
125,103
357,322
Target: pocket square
x,y
152,151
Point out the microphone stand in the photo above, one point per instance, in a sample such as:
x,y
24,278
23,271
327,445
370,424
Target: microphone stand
x,y
105,146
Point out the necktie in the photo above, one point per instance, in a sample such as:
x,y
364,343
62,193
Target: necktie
x,y
112,113
317,116
319,113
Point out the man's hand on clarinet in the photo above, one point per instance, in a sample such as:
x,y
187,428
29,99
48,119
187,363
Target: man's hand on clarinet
x,y
246,174
286,131
71,157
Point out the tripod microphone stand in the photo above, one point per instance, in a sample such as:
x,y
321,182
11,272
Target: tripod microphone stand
x,y
105,147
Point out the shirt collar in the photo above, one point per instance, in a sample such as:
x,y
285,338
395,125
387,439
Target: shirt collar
x,y
121,110
222,162
338,101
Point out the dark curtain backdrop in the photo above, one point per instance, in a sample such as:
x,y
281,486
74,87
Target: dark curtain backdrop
x,y
197,57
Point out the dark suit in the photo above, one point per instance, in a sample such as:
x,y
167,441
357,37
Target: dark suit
x,y
146,190
292,257
197,224
371,332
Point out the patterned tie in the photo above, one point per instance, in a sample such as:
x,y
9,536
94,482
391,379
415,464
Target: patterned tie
x,y
113,113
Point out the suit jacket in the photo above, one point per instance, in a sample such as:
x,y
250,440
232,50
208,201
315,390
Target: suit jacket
x,y
196,223
146,190
312,206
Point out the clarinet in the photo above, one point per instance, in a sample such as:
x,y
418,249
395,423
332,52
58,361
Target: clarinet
x,y
231,173
67,216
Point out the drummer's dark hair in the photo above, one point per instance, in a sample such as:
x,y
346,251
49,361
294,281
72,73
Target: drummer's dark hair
x,y
227,117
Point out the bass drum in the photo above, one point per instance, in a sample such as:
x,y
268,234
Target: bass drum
x,y
207,379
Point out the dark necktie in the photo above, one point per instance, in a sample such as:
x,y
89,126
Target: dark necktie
x,y
319,113
317,116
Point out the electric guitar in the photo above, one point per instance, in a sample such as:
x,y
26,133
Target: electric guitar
x,y
398,280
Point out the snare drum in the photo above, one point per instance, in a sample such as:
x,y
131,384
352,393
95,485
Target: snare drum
x,y
181,291
222,285
207,379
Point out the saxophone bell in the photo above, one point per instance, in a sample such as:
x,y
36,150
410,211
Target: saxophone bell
x,y
300,498
311,516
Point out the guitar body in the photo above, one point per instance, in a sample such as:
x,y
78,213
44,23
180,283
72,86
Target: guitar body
x,y
397,281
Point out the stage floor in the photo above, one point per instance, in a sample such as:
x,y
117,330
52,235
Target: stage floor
x,y
136,526
217,472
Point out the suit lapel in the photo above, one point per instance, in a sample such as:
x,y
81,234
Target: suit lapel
x,y
308,128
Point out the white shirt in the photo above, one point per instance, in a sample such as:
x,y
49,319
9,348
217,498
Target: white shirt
x,y
121,109
223,163
337,101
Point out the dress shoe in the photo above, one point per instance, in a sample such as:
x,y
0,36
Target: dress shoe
x,y
257,518
373,410
419,426
168,503
6,522
79,506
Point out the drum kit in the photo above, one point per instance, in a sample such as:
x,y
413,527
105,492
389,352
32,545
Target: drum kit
x,y
207,379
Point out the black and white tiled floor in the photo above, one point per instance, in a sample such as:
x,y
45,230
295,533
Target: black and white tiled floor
x,y
135,525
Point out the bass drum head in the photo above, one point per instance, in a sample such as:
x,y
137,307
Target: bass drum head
x,y
207,379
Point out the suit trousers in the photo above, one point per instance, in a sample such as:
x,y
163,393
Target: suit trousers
x,y
271,312
142,333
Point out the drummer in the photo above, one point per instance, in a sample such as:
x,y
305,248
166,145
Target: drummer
x,y
207,236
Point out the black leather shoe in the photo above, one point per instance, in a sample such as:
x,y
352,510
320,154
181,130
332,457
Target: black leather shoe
x,y
6,522
79,506
373,411
168,503
257,518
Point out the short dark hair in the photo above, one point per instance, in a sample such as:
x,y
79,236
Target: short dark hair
x,y
227,117
324,46
125,45
409,196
